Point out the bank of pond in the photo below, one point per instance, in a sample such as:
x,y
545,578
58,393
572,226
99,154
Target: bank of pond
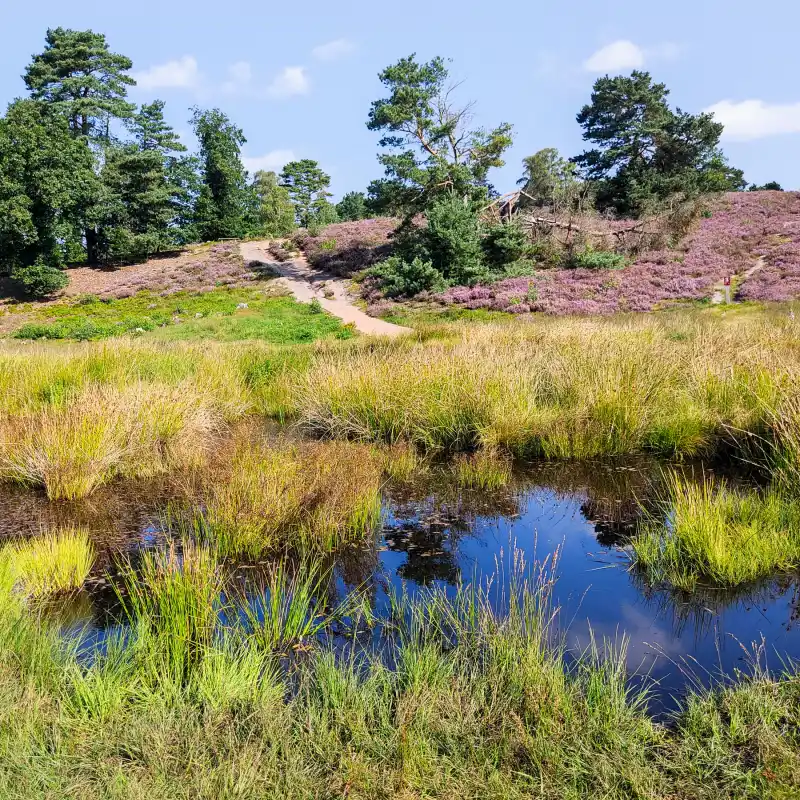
x,y
362,617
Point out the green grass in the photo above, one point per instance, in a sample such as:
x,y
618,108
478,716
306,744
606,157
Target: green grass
x,y
476,700
52,563
719,536
486,469
185,316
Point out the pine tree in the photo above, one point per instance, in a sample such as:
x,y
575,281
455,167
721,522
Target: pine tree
x,y
80,75
144,194
307,185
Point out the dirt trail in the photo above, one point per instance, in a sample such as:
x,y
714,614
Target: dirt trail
x,y
306,284
718,296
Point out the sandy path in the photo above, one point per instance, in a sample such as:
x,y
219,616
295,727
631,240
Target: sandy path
x,y
719,290
306,283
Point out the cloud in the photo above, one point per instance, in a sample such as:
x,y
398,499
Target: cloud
x,y
181,73
289,82
330,51
623,55
274,160
756,119
615,57
241,72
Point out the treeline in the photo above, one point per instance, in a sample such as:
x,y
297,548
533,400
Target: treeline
x,y
87,176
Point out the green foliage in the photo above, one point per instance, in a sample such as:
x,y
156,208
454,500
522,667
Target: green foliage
x,y
308,186
46,184
400,278
645,152
226,204
40,280
185,316
598,259
769,186
276,213
83,79
430,149
352,207
454,241
504,244
324,213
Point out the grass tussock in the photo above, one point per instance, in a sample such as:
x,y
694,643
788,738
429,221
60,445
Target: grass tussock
x,y
474,701
485,469
317,495
52,563
75,417
561,389
718,535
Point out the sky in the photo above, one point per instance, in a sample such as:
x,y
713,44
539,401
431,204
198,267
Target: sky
x,y
299,77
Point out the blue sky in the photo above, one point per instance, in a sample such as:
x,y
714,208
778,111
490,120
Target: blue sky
x,y
299,77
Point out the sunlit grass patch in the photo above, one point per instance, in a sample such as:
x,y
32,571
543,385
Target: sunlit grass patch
x,y
719,535
282,495
221,314
485,469
54,562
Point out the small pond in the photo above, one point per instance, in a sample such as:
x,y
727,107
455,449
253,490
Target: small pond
x,y
436,533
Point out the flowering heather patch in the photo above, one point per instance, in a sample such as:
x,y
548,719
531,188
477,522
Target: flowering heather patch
x,y
779,278
742,227
347,247
194,270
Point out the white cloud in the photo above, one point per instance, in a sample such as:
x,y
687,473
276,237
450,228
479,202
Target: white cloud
x,y
755,119
181,73
241,72
330,51
289,82
274,160
616,57
623,55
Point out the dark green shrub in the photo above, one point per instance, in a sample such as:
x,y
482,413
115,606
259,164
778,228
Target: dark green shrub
x,y
398,277
598,259
454,241
40,280
504,244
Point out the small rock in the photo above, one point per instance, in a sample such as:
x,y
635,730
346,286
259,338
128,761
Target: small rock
x,y
138,330
241,305
198,315
152,305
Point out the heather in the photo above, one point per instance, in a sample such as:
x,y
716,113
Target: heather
x,y
775,221
348,247
729,241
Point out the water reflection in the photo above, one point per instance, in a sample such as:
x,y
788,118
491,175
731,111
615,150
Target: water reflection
x,y
434,533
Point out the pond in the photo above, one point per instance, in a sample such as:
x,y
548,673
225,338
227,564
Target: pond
x,y
435,533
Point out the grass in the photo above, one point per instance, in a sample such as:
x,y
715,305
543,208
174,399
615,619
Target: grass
x,y
719,535
485,469
476,699
181,316
52,563
318,496
76,416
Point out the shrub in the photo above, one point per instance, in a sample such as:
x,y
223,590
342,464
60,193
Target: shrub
x,y
40,280
505,244
397,277
598,259
454,241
